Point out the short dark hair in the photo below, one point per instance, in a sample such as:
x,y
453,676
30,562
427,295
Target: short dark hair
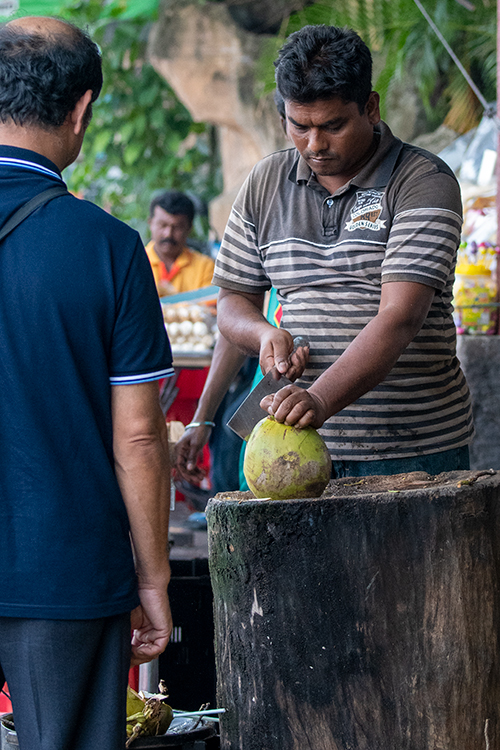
x,y
280,103
43,76
320,62
175,203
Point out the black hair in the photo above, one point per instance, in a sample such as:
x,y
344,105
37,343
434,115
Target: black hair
x,y
43,76
175,203
280,104
320,62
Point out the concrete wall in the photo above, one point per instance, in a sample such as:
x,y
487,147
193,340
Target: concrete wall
x,y
210,52
210,63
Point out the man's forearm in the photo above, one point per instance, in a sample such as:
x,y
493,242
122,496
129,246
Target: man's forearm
x,y
363,365
226,363
377,348
143,472
240,320
142,464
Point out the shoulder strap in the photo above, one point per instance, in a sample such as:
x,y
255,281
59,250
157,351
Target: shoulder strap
x,y
30,206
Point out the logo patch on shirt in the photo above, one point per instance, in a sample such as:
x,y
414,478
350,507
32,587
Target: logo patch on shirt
x,y
366,211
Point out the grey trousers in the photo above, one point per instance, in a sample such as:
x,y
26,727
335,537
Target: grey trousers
x,y
67,680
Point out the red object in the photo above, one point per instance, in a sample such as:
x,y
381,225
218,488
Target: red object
x,y
5,704
133,678
190,384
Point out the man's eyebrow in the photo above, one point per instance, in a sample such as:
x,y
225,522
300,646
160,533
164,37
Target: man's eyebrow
x,y
336,121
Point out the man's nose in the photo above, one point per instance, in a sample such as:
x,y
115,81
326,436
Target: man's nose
x,y
317,141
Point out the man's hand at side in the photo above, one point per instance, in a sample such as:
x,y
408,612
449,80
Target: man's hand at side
x,y
150,630
226,363
140,446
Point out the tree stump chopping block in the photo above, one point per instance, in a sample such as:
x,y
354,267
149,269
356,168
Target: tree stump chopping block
x,y
368,619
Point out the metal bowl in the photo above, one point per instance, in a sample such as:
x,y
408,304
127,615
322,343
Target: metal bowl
x,y
175,738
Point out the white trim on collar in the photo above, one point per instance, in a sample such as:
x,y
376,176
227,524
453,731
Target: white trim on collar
x,y
24,164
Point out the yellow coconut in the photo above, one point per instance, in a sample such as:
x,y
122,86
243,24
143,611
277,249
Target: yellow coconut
x,y
284,462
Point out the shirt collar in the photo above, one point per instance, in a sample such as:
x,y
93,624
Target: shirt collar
x,y
22,158
184,259
376,172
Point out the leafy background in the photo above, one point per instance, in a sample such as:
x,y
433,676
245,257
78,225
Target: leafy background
x,y
399,33
142,139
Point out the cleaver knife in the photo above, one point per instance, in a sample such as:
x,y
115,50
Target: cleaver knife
x,y
249,412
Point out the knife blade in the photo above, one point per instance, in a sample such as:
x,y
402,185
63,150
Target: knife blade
x,y
249,412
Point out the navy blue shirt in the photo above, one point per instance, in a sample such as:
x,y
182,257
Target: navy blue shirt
x,y
79,313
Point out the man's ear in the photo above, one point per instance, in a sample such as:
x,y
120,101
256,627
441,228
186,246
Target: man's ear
x,y
373,108
78,114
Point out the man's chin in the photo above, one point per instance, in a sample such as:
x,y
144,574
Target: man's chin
x,y
167,248
324,167
167,252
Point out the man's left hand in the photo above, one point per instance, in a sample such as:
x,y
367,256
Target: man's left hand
x,y
295,406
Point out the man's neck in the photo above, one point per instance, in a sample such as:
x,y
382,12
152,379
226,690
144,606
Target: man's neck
x,y
50,144
168,259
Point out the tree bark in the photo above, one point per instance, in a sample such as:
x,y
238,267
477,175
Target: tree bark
x,y
366,620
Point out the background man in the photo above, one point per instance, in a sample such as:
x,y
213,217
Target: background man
x,y
358,233
176,267
83,446
219,401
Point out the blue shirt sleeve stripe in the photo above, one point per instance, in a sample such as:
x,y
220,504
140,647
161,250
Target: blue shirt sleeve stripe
x,y
141,378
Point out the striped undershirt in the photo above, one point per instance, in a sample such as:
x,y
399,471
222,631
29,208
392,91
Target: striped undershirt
x,y
327,255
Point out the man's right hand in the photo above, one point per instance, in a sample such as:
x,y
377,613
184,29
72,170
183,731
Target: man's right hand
x,y
187,451
277,350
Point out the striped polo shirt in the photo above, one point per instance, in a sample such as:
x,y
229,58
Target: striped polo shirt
x,y
327,255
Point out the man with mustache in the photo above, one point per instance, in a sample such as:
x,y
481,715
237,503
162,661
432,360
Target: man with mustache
x,y
176,267
358,233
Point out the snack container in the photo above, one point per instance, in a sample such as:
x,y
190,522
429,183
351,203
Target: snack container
x,y
474,295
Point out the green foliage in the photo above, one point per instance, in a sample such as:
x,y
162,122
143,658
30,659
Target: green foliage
x,y
398,30
141,139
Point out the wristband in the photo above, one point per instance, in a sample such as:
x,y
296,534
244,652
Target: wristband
x,y
199,424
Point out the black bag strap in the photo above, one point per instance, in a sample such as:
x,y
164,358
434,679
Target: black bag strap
x,y
31,206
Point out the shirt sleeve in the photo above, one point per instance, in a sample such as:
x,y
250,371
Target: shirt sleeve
x,y
140,349
206,271
426,228
239,264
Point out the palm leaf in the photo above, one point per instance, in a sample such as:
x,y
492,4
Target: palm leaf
x,y
398,30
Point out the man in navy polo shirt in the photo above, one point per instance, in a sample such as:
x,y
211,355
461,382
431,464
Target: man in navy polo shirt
x,y
84,492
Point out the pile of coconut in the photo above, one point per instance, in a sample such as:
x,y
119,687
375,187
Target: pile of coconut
x,y
190,328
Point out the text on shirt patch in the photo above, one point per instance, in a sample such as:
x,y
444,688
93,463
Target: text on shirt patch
x,y
366,211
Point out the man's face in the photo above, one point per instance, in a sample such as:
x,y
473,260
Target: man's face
x,y
169,233
332,136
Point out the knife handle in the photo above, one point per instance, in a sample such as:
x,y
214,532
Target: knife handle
x,y
300,341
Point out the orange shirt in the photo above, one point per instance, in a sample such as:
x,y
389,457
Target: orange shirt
x,y
191,270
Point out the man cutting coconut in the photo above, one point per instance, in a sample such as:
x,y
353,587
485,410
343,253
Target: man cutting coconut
x,y
358,232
